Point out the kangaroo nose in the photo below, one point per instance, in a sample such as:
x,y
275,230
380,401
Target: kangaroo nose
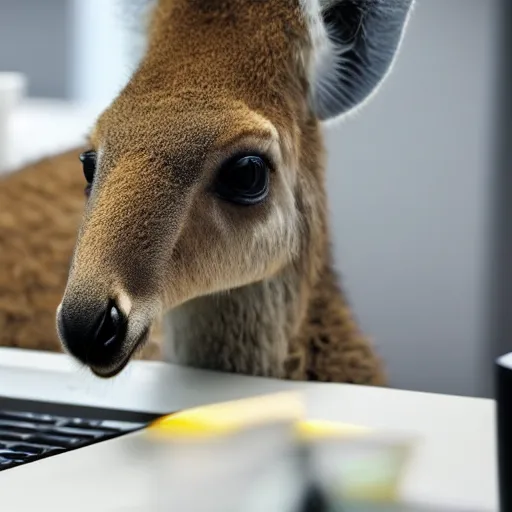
x,y
95,337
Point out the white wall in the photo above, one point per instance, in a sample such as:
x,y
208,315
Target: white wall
x,y
409,180
100,63
34,39
73,49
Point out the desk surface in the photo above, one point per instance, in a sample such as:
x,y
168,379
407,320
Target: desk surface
x,y
454,466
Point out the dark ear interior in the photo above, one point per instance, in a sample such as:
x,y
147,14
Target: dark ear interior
x,y
363,40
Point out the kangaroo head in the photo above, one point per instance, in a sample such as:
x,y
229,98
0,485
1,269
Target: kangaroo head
x,y
205,174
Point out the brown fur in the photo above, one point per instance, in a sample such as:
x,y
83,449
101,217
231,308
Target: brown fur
x,y
248,290
40,211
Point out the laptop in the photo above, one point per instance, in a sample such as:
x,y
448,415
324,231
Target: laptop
x,y
49,405
68,439
71,439
45,410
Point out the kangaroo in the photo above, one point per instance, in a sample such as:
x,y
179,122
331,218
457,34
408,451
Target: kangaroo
x,y
206,191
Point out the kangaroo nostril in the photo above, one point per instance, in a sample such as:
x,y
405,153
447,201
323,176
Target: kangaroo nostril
x,y
111,328
94,333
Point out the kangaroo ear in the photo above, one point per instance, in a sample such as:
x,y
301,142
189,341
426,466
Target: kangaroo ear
x,y
354,46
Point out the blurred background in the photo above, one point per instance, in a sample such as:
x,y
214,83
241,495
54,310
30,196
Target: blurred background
x,y
417,179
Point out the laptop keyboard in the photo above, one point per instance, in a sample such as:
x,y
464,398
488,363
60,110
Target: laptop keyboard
x,y
27,436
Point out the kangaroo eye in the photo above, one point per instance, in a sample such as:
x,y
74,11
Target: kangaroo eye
x,y
88,159
243,180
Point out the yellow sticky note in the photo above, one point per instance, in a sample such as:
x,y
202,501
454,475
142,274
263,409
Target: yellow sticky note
x,y
228,417
309,430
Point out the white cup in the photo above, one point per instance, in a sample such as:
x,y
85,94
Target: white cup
x,y
12,89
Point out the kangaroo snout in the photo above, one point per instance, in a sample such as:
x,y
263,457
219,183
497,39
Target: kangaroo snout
x,y
98,333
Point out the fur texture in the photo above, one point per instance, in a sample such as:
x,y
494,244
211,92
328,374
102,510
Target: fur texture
x,y
243,289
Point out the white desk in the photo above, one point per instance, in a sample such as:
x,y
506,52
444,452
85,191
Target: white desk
x,y
454,464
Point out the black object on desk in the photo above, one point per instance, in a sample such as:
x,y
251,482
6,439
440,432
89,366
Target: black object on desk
x,y
32,430
504,429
